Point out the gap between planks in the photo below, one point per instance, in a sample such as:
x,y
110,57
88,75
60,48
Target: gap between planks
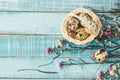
x,y
59,11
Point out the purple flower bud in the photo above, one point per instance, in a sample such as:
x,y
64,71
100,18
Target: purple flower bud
x,y
107,33
48,50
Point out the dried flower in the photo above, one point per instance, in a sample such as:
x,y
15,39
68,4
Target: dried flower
x,y
107,33
105,40
59,65
115,18
61,51
99,74
118,65
109,27
68,45
105,72
103,18
92,55
116,75
116,26
114,67
112,73
56,53
118,29
53,47
61,42
48,50
101,33
110,42
111,69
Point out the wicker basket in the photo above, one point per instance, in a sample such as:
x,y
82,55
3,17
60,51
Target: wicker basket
x,y
74,13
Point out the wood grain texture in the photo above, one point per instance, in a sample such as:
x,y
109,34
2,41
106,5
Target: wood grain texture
x,y
27,27
34,46
33,23
28,51
55,5
67,72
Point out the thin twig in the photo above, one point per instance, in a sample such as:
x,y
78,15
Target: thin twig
x,y
48,72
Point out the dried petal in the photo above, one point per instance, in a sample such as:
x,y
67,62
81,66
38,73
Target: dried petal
x,y
112,73
116,75
61,51
115,18
109,26
107,33
92,55
68,45
61,42
118,29
111,69
103,18
114,67
48,50
99,74
59,65
53,47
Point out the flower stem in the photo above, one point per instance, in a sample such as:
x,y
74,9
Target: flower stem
x,y
47,72
114,49
113,42
47,63
51,61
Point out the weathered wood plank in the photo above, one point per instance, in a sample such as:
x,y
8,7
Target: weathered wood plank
x,y
35,45
32,23
10,66
11,78
55,5
28,51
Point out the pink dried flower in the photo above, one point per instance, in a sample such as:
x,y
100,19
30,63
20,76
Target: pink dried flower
x,y
99,74
59,65
111,69
48,50
92,55
107,33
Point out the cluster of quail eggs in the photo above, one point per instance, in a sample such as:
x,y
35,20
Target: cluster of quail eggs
x,y
81,26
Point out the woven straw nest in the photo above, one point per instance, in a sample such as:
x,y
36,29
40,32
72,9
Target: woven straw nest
x,y
80,26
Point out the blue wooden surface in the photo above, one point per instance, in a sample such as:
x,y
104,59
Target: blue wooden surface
x,y
55,5
32,23
41,17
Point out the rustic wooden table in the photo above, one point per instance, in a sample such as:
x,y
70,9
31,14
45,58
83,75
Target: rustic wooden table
x,y
27,27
